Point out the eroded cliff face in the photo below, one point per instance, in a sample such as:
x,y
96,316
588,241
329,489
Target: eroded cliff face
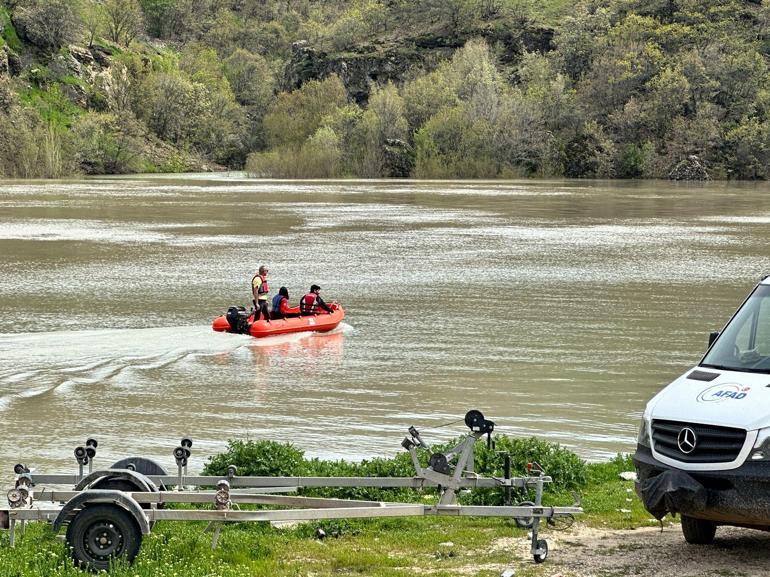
x,y
359,71
379,62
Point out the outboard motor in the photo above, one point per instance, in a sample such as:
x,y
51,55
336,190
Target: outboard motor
x,y
237,317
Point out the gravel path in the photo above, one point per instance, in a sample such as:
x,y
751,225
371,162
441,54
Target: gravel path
x,y
647,552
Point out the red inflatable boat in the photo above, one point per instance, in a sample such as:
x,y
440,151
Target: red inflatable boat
x,y
237,320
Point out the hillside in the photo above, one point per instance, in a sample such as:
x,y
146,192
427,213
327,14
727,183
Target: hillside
x,y
373,88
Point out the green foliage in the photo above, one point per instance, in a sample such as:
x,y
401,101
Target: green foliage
x,y
49,24
31,147
589,153
381,123
598,474
258,458
634,160
8,31
297,115
268,458
123,20
160,17
625,89
190,113
455,143
749,150
107,144
250,78
51,103
318,157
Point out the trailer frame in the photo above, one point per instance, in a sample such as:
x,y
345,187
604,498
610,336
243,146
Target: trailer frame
x,y
107,511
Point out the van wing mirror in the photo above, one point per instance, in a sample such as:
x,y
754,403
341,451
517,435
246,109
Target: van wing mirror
x,y
712,337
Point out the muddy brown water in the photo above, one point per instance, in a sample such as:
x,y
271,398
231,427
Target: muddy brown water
x,y
557,308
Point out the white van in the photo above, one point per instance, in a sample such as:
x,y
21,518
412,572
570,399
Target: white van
x,y
704,443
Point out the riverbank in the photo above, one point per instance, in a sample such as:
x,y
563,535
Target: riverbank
x,y
381,547
615,538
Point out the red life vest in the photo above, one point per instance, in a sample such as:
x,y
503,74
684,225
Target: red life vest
x,y
262,289
308,304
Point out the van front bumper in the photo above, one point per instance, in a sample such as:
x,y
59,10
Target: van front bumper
x,y
738,496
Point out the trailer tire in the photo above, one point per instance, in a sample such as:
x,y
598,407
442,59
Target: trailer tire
x,y
698,531
525,522
542,546
102,532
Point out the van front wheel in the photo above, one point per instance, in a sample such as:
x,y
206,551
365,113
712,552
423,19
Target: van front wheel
x,y
698,531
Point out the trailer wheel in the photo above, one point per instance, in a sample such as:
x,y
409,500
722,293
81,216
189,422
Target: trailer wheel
x,y
698,531
542,551
103,532
525,522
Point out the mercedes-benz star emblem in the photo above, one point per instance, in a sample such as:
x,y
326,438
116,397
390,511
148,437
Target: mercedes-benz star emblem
x,y
686,440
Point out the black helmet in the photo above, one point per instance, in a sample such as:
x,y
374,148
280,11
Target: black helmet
x,y
314,287
283,291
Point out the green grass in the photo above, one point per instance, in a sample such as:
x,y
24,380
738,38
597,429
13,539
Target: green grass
x,y
9,32
108,47
52,105
72,80
552,12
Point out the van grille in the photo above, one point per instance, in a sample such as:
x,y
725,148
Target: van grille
x,y
713,444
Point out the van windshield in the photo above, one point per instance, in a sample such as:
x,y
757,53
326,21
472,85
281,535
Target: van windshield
x,y
744,344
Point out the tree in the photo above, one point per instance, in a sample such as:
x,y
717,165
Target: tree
x,y
108,143
620,71
49,24
381,123
580,38
124,20
470,76
294,116
158,16
320,154
748,154
173,105
250,78
455,143
93,17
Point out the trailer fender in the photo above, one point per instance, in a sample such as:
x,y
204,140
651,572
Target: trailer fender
x,y
138,480
74,505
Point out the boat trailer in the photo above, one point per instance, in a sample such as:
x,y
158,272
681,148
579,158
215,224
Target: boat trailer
x,y
107,511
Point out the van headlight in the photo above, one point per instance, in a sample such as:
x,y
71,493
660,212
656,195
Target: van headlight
x,y
644,433
761,451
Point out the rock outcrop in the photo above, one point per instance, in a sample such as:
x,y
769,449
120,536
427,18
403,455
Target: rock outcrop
x,y
359,71
399,158
4,70
362,67
692,168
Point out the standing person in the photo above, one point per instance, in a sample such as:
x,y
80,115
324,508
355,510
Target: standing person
x,y
281,308
260,289
312,301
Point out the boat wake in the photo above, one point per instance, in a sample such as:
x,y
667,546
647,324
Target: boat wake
x,y
59,363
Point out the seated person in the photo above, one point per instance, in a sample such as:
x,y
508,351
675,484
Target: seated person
x,y
281,308
312,301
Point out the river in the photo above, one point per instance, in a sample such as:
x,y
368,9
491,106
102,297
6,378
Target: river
x,y
557,308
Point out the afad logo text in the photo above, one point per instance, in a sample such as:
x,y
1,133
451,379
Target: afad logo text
x,y
720,393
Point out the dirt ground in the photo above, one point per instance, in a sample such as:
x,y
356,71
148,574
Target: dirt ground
x,y
647,552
